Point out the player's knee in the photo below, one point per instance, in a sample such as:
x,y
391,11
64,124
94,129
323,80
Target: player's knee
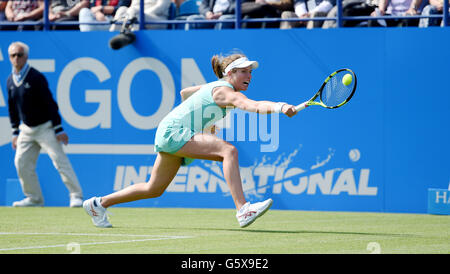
x,y
156,193
153,195
153,192
231,152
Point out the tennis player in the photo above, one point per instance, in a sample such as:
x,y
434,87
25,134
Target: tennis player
x,y
180,139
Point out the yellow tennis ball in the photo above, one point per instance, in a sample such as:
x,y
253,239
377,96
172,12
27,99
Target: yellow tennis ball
x,y
347,79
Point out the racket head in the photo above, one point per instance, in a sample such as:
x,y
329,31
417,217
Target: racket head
x,y
334,93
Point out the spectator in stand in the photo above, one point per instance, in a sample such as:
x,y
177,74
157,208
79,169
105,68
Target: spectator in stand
x,y
100,11
23,11
2,11
178,2
153,10
264,9
64,11
416,8
351,8
225,9
307,9
433,8
395,8
213,10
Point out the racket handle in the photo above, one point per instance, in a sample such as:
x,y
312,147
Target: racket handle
x,y
301,106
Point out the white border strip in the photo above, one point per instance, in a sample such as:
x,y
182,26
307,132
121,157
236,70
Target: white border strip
x,y
108,149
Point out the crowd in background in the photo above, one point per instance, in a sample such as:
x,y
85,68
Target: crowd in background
x,y
89,15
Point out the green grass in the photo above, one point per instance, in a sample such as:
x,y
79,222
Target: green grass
x,y
152,230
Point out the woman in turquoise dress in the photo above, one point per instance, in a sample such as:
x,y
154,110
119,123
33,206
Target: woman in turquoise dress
x,y
181,137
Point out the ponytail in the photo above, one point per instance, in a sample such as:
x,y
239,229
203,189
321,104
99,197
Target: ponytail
x,y
216,66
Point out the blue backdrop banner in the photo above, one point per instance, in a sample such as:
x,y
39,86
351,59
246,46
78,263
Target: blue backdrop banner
x,y
381,152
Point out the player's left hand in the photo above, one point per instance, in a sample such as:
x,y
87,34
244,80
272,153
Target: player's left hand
x,y
63,138
289,110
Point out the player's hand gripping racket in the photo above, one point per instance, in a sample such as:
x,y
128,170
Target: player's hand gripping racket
x,y
335,91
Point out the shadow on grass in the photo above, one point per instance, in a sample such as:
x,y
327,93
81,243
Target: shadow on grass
x,y
245,230
311,232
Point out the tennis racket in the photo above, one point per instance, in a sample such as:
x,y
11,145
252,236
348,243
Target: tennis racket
x,y
334,92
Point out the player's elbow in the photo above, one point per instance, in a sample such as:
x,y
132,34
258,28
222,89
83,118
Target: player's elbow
x,y
184,94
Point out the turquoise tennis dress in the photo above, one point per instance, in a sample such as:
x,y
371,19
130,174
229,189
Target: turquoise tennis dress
x,y
191,117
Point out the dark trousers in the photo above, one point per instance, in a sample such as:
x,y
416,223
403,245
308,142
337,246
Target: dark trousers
x,y
257,10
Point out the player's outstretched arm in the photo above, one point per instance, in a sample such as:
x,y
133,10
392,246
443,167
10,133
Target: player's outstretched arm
x,y
225,96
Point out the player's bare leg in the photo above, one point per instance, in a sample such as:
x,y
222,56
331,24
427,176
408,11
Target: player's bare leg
x,y
210,147
164,170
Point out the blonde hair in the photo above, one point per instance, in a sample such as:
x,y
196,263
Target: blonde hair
x,y
219,63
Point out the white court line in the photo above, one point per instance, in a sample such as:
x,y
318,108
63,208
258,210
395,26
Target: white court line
x,y
158,238
82,234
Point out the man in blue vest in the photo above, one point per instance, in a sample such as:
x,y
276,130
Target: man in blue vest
x,y
36,124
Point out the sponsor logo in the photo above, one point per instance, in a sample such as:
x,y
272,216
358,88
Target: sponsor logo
x,y
441,197
281,176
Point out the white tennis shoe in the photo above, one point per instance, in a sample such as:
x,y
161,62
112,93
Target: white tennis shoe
x,y
97,212
76,201
27,202
250,212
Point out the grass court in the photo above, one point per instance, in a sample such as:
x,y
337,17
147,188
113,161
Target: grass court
x,y
60,230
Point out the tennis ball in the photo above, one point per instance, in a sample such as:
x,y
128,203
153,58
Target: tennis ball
x,y
347,79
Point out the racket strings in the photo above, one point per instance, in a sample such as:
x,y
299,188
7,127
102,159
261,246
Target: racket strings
x,y
335,92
